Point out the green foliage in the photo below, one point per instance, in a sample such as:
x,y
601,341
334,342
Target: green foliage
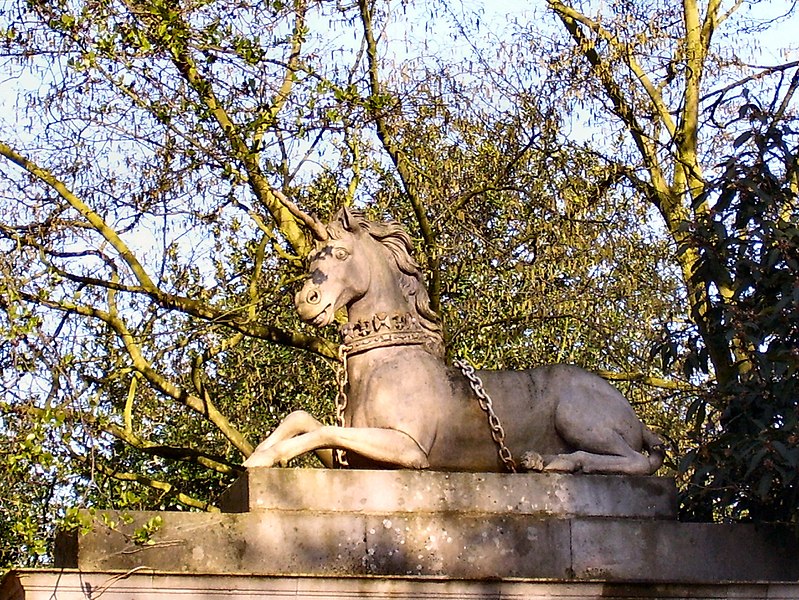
x,y
142,536
746,461
28,489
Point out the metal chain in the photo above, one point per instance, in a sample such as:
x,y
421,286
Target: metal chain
x,y
488,406
342,377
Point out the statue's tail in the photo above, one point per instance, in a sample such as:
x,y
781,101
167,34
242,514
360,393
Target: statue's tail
x,y
655,447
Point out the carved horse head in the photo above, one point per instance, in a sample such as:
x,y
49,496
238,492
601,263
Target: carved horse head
x,y
366,267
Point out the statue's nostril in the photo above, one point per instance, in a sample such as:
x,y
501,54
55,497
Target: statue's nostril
x,y
313,297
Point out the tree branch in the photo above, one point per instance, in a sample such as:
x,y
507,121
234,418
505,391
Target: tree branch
x,y
244,152
688,174
650,380
142,365
228,317
165,487
398,157
191,455
655,96
622,109
97,222
289,76
766,71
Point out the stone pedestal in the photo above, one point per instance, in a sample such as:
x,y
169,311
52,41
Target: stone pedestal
x,y
407,534
149,585
538,495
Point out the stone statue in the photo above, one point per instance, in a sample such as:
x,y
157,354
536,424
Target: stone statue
x,y
401,406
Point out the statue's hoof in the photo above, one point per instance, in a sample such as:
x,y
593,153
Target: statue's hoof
x,y
257,459
532,461
562,464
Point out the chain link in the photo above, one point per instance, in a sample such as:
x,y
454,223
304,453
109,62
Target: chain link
x,y
488,407
339,454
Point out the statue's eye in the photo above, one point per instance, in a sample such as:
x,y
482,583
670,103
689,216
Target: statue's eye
x,y
341,254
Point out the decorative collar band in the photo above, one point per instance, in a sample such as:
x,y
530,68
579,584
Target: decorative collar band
x,y
383,330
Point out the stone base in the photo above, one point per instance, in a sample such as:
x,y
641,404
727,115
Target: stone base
x,y
446,545
540,495
146,585
454,526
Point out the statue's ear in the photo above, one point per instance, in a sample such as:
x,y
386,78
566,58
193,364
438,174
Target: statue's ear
x,y
345,217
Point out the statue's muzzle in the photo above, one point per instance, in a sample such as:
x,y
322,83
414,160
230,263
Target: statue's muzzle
x,y
308,295
308,302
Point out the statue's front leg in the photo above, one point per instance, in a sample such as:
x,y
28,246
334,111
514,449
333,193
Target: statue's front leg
x,y
382,445
261,457
296,423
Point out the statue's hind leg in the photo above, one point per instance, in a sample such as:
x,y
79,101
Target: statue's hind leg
x,y
603,429
614,456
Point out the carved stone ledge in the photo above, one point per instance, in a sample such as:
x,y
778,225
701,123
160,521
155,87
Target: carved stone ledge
x,y
536,494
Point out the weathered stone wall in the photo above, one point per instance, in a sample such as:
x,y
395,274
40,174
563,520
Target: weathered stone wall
x,y
445,525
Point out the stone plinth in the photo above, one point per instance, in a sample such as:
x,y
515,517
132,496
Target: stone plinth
x,y
377,492
454,546
148,585
452,526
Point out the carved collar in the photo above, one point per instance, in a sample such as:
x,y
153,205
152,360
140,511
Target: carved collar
x,y
383,330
